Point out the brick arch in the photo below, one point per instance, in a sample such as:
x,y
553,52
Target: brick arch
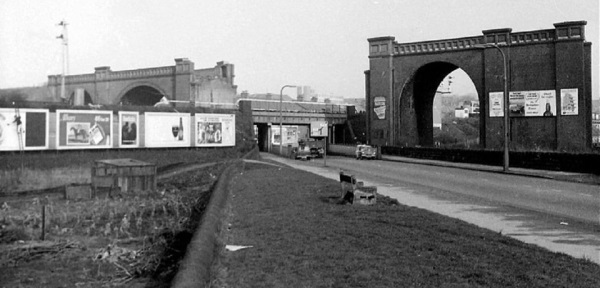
x,y
415,101
138,84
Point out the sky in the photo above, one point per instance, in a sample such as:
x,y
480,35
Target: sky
x,y
318,43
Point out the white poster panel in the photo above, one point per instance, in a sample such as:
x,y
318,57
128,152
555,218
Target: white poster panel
x,y
23,129
215,130
163,129
496,104
83,129
379,107
569,101
129,123
540,103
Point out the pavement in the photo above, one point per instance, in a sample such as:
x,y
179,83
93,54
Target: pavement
x,y
547,174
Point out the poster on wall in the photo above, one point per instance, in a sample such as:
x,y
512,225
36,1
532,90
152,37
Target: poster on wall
x,y
540,103
516,103
167,129
23,129
533,103
129,129
83,129
379,107
290,135
319,129
569,101
496,104
214,130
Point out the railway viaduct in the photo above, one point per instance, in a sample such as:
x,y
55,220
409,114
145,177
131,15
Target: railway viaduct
x,y
556,63
147,86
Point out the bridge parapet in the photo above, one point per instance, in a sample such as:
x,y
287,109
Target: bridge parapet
x,y
437,46
532,37
141,73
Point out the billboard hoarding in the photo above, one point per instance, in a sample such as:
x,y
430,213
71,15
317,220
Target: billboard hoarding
x,y
215,130
129,123
81,129
23,129
164,129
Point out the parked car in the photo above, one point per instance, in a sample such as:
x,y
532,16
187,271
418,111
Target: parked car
x,y
317,152
303,152
316,147
366,152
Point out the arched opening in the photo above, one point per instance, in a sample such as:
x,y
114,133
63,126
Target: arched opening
x,y
453,121
141,96
456,112
80,97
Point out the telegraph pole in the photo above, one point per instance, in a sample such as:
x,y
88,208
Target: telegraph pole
x,y
65,57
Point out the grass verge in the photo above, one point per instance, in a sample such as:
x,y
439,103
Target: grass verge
x,y
301,237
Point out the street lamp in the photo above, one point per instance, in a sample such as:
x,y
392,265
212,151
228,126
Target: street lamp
x,y
506,102
281,118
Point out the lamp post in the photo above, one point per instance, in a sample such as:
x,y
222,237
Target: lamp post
x,y
281,118
506,103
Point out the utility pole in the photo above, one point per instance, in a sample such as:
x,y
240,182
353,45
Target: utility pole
x,y
65,57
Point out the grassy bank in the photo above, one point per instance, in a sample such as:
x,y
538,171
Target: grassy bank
x,y
301,237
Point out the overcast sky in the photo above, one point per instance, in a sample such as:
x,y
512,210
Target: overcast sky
x,y
320,43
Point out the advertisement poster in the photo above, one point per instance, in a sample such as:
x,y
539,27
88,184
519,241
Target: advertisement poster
x,y
23,129
129,123
516,103
290,134
318,129
379,107
215,130
496,104
167,129
540,103
81,129
569,101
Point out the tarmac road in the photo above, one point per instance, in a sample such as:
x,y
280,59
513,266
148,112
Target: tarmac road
x,y
561,216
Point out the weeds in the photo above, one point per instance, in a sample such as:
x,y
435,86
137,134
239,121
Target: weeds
x,y
156,226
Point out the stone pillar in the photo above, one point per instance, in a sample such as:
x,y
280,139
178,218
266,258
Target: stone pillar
x,y
381,83
574,132
102,86
184,73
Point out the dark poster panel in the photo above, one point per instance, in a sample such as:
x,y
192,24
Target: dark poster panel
x,y
35,129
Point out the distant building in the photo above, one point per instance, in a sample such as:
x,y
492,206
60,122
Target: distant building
x,y
437,111
462,112
596,129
